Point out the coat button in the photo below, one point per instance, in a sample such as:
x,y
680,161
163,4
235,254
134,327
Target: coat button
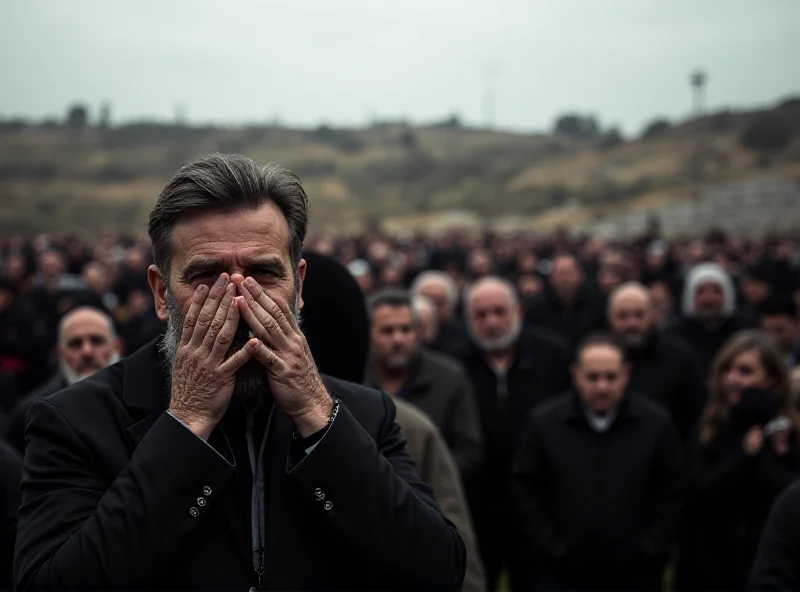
x,y
319,494
206,491
328,506
201,501
194,512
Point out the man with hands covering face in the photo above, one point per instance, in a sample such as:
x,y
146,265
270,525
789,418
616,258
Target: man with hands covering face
x,y
218,457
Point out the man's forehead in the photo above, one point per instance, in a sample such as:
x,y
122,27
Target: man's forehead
x,y
490,296
600,357
231,235
392,314
86,326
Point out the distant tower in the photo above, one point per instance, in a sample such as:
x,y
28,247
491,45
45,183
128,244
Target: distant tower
x,y
698,79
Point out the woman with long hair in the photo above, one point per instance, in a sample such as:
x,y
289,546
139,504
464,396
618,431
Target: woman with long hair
x,y
748,452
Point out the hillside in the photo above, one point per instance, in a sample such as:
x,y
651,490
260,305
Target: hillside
x,y
402,177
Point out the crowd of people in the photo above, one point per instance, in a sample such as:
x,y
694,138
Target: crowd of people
x,y
608,411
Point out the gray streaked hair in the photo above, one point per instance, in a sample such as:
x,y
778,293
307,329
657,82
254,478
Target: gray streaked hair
x,y
436,277
513,298
228,183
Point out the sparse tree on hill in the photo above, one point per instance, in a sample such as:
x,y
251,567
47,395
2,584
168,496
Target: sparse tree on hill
x,y
578,126
655,129
766,134
611,139
77,116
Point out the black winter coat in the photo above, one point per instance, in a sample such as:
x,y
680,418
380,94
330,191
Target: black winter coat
x,y
598,510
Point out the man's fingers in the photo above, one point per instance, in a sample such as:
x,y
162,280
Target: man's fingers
x,y
226,335
264,326
289,314
237,360
220,318
267,303
209,310
265,355
198,298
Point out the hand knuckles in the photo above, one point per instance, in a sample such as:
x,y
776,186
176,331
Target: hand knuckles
x,y
204,318
224,338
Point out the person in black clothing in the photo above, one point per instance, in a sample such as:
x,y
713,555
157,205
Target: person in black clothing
x,y
776,567
339,342
23,337
708,313
87,343
436,383
748,452
598,481
10,475
567,306
451,337
780,318
663,367
511,370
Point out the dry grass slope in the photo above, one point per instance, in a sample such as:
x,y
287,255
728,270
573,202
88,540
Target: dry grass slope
x,y
402,177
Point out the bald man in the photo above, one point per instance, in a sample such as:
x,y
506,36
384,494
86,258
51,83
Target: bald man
x,y
663,366
511,369
87,343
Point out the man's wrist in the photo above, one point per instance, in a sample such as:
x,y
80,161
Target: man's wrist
x,y
316,418
202,428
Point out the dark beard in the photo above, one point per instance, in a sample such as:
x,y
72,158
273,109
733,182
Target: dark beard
x,y
252,384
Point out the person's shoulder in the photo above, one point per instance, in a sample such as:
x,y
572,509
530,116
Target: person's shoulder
x,y
653,412
412,418
442,363
554,408
89,399
544,340
354,395
673,344
786,508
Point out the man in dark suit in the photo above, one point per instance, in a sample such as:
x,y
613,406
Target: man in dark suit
x,y
598,481
218,457
436,383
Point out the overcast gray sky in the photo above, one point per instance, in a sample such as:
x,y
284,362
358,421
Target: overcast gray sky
x,y
347,61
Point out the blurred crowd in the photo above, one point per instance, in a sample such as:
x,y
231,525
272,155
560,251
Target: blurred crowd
x,y
615,410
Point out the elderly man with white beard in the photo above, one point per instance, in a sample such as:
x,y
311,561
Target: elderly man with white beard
x,y
87,343
512,369
663,366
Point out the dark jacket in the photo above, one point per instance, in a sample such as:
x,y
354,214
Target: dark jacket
x,y
539,371
599,510
10,475
776,567
440,387
116,493
585,316
730,495
13,429
705,342
666,371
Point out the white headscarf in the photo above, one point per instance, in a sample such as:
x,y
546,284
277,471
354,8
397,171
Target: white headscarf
x,y
705,273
